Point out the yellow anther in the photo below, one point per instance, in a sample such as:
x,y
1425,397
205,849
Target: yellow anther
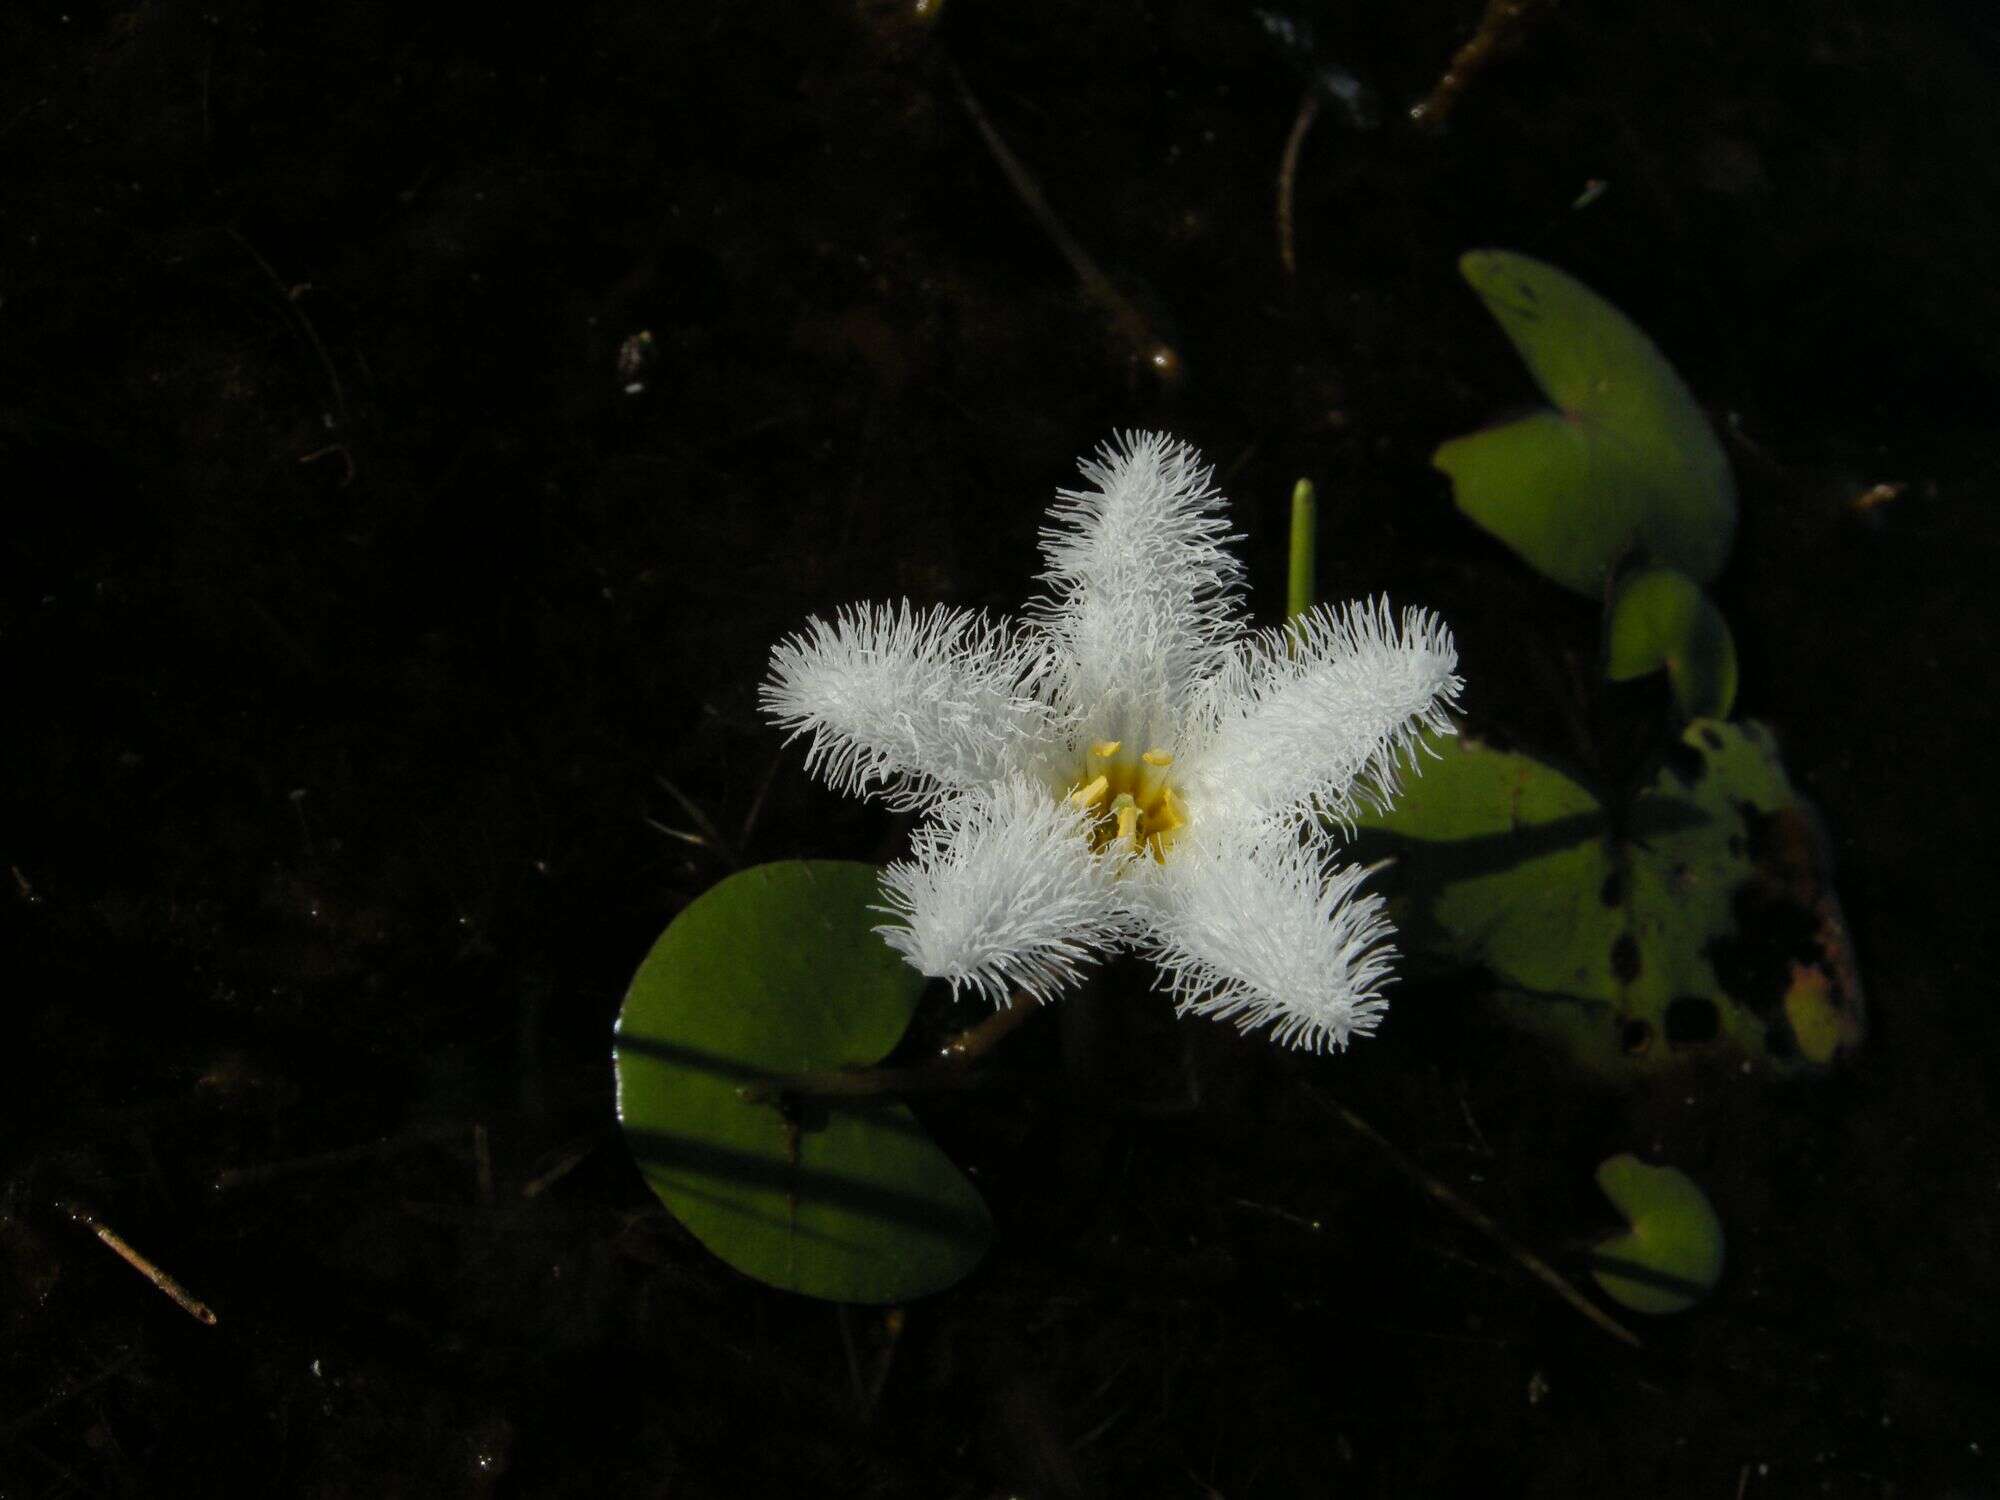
x,y
1089,796
1130,803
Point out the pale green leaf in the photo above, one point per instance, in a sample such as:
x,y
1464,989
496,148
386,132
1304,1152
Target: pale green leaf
x,y
1660,618
1627,460
1670,1255
1699,918
775,972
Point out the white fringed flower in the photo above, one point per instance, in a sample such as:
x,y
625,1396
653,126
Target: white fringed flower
x,y
1130,764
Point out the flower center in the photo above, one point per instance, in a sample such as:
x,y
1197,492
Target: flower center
x,y
1130,799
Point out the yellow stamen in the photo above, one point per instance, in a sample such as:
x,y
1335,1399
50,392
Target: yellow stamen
x,y
1131,802
1151,783
1128,822
1089,796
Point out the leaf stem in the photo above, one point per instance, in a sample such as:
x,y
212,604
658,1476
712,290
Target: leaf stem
x,y
950,1069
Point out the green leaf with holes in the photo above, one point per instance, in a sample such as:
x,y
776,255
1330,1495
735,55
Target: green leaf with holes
x,y
1627,461
1660,618
1669,1256
776,972
1699,916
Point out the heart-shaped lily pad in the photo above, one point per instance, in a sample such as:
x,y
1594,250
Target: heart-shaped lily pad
x,y
776,973
1661,618
1626,462
1670,1255
1698,916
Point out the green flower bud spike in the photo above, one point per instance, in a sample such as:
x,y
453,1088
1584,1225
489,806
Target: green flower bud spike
x,y
1299,590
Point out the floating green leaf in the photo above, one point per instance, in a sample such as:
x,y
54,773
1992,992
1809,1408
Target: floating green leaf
x,y
1660,618
776,972
1699,916
1670,1256
1493,851
1628,460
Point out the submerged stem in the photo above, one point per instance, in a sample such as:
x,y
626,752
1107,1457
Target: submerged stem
x,y
950,1069
1525,1258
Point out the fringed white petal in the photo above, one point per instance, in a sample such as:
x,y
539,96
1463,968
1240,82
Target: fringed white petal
x,y
908,704
1143,598
1263,934
1322,715
1003,893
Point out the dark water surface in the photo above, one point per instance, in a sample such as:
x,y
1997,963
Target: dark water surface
x,y
361,608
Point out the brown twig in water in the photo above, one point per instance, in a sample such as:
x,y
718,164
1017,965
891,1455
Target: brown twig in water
x,y
1877,495
482,1164
756,809
705,835
115,1243
868,1385
231,1178
33,1417
1127,321
1502,27
290,295
564,1165
892,1335
1528,1261
345,454
1288,166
